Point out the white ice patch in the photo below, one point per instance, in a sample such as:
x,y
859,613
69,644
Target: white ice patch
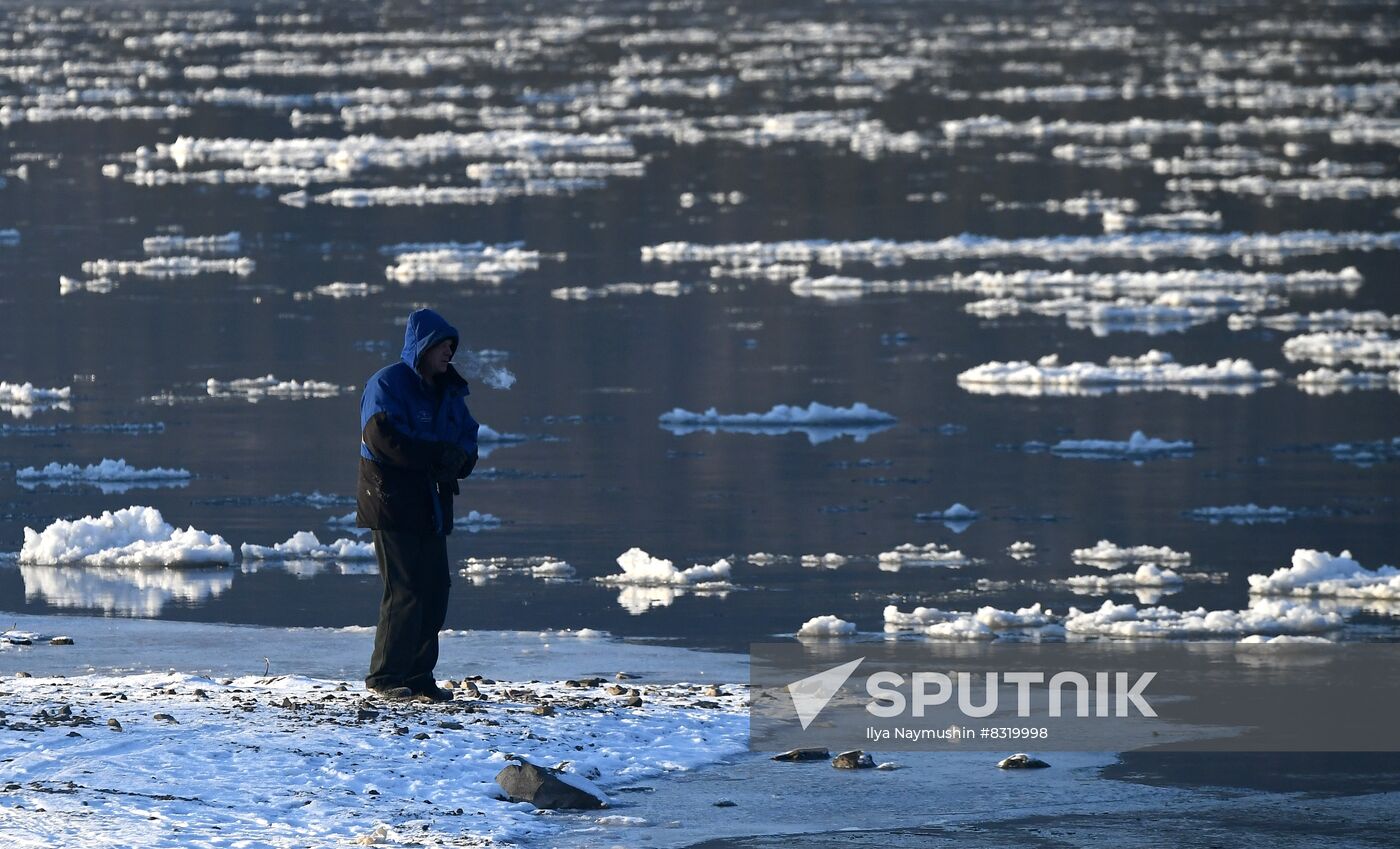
x,y
826,626
1138,445
304,544
1242,514
665,288
1147,575
1021,550
477,261
111,476
641,569
475,521
1262,617
1337,346
1144,246
1340,319
133,536
1326,381
932,554
1319,573
1155,370
164,267
818,421
254,389
226,243
1107,555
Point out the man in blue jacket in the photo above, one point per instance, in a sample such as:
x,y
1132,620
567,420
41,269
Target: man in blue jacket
x,y
417,439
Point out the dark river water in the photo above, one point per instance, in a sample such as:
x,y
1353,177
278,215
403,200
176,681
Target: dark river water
x,y
745,124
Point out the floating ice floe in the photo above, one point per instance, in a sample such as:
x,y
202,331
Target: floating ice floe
x,y
1286,639
1107,555
1242,514
1320,574
819,422
9,237
1262,617
1117,222
304,544
480,570
1146,575
122,590
254,389
1349,129
1145,246
641,569
1325,381
474,521
957,518
1341,319
830,560
162,267
985,624
346,290
932,554
1021,550
110,476
226,243
666,288
133,536
1155,370
23,400
125,428
1138,445
459,261
1337,346
1366,453
826,626
1302,188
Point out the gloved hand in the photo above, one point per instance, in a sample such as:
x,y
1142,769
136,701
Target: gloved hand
x,y
466,470
450,460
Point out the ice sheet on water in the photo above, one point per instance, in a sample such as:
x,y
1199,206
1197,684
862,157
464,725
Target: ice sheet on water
x,y
459,261
1155,370
931,554
1242,514
305,545
1322,574
1264,617
110,476
133,536
1108,555
1326,381
225,243
818,421
826,626
1333,347
641,569
1138,445
1153,245
254,389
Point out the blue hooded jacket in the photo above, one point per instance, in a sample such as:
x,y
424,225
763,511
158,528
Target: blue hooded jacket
x,y
406,422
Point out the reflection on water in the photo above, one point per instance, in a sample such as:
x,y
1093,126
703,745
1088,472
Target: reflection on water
x,y
125,591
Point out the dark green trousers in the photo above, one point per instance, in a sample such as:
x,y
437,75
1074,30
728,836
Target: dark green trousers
x,y
414,569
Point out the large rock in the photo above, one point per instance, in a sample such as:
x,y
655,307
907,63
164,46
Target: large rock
x,y
1022,760
815,753
854,759
544,788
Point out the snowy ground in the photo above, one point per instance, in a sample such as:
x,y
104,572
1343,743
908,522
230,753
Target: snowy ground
x,y
121,757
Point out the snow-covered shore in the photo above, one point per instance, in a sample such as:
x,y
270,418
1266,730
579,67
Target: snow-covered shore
x,y
223,753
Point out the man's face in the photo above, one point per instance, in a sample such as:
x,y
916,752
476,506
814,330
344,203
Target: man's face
x,y
437,359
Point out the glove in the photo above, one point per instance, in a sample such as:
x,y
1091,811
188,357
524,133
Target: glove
x,y
466,470
449,462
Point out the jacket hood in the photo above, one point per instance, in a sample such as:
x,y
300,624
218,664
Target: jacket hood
x,y
425,329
